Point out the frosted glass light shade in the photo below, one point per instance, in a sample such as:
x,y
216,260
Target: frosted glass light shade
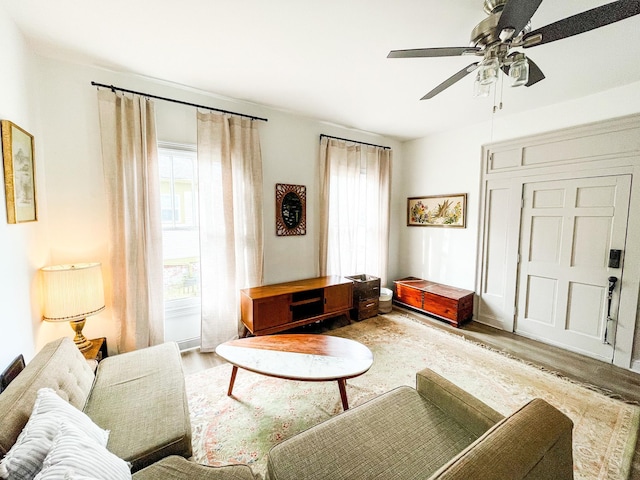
x,y
72,292
519,71
488,71
480,90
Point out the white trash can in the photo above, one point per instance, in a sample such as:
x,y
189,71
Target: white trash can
x,y
384,304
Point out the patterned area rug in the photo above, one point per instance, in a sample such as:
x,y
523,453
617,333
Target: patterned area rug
x,y
265,411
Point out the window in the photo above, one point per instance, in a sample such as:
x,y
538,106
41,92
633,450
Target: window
x,y
354,239
181,242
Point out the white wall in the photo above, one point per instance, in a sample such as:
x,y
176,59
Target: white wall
x,y
440,164
55,102
74,177
21,245
449,162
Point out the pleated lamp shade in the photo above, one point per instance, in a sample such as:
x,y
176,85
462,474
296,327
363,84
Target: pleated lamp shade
x,y
71,293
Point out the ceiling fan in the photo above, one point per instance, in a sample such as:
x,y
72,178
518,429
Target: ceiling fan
x,y
507,27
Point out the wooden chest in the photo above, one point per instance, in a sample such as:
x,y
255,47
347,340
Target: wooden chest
x,y
452,304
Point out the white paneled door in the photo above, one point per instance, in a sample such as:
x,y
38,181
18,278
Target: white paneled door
x,y
568,228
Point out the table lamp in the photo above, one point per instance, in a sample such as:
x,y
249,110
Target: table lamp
x,y
71,294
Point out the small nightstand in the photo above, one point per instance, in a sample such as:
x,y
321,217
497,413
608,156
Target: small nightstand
x,y
98,350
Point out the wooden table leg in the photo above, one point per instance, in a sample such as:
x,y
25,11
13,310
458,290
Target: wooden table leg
x,y
342,385
234,372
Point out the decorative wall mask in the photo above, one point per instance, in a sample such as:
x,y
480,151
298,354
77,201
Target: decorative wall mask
x,y
291,209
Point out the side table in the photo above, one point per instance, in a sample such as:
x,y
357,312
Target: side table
x,y
98,350
366,295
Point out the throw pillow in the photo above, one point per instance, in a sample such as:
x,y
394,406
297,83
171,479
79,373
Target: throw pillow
x,y
24,460
74,455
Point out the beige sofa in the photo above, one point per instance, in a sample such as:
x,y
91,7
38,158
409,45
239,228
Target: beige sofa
x,y
139,397
436,431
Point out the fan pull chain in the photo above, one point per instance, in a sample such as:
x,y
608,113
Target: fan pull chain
x,y
495,93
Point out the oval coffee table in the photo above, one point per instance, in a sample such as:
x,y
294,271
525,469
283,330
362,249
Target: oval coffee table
x,y
301,356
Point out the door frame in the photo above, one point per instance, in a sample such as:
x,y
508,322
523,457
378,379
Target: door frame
x,y
601,149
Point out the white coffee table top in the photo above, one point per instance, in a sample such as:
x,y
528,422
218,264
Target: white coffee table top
x,y
308,357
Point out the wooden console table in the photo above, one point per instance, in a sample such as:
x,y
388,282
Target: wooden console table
x,y
275,308
451,304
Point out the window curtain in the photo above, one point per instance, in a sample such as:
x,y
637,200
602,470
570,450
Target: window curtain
x,y
354,209
130,162
231,225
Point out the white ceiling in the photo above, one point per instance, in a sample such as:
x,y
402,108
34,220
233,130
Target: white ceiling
x,y
326,59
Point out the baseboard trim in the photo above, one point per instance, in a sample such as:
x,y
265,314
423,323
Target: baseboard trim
x,y
188,344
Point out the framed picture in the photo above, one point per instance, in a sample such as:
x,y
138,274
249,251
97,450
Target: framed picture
x,y
19,173
291,209
437,211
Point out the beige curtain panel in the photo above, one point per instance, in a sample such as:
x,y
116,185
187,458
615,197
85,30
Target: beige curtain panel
x,y
355,184
130,161
231,224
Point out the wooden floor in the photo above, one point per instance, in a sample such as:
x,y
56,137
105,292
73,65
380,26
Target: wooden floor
x,y
614,380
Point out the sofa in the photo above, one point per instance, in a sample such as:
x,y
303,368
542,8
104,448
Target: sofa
x,y
435,431
138,397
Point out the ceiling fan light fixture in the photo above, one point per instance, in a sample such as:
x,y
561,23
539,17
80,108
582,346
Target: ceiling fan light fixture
x,y
508,26
488,71
519,71
481,90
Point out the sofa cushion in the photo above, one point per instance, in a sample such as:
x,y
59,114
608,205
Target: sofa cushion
x,y
140,397
60,366
397,435
74,455
178,468
50,412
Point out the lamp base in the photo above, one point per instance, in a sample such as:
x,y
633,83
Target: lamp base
x,y
80,340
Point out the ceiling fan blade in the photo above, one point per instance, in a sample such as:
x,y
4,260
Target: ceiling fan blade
x,y
535,74
451,80
584,22
516,14
433,52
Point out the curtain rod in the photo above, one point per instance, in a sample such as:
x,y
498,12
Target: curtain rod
x,y
113,89
355,141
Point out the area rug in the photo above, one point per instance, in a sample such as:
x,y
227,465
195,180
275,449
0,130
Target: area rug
x,y
264,411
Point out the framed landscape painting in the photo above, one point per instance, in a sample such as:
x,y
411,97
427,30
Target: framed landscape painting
x,y
437,211
19,173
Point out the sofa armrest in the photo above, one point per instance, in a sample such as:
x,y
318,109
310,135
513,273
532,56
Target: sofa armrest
x,y
59,365
534,443
475,415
